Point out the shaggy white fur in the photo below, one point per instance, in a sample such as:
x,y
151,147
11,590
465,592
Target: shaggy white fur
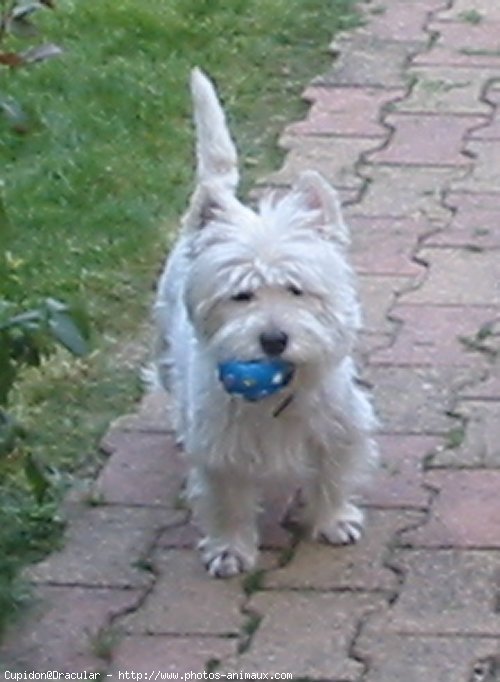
x,y
234,275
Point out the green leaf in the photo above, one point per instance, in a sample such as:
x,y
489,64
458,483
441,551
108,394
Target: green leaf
x,y
4,236
9,431
37,477
19,24
4,221
56,306
7,368
23,10
41,53
79,314
15,116
67,333
29,320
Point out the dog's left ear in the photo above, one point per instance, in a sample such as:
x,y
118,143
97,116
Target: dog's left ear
x,y
316,194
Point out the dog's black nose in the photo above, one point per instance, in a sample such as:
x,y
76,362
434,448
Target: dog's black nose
x,y
273,342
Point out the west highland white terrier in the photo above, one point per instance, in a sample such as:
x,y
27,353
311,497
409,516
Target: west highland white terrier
x,y
257,316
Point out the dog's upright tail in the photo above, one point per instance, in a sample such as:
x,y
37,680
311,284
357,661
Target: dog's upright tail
x,y
217,159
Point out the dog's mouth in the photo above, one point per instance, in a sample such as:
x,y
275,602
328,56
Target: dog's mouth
x,y
255,379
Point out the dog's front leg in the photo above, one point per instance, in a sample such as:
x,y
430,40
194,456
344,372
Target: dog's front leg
x,y
329,512
225,507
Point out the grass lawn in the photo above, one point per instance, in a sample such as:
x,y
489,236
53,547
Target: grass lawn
x,y
94,190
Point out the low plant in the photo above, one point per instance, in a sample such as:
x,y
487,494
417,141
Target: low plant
x,y
16,26
25,339
28,335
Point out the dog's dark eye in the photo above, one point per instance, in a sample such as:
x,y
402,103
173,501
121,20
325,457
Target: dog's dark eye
x,y
243,296
295,290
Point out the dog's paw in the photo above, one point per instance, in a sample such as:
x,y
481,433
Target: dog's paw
x,y
343,527
225,562
225,565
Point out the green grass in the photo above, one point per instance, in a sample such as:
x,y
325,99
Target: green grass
x,y
95,188
250,627
455,437
253,582
471,17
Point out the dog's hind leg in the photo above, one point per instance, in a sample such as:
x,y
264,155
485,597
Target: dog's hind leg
x,y
225,508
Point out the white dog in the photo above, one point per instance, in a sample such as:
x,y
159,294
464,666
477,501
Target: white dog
x,y
248,285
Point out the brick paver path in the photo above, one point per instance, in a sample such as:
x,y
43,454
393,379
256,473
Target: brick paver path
x,y
407,125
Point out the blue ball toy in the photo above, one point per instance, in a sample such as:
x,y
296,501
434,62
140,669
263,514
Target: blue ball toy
x,y
255,379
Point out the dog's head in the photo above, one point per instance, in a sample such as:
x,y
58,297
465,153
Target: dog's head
x,y
273,282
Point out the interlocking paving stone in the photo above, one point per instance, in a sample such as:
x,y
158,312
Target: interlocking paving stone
x,y
366,60
332,157
393,240
154,414
480,442
346,111
415,400
450,269
445,90
485,174
466,512
468,36
487,11
466,202
400,482
152,654
492,91
145,469
426,140
489,389
104,547
378,293
402,21
368,342
488,132
445,592
355,567
185,600
412,658
413,190
440,55
492,130
434,335
65,628
180,536
306,634
474,225
463,44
